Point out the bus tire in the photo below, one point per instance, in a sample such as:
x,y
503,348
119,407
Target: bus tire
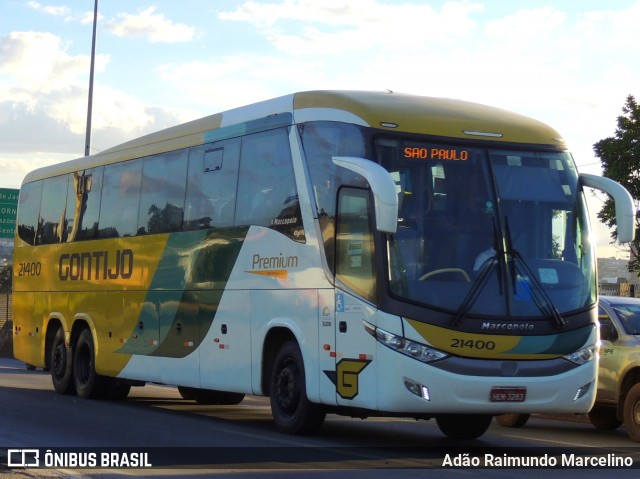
x,y
631,412
464,426
512,420
61,365
89,384
292,411
604,418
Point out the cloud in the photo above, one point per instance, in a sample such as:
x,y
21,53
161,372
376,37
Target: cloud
x,y
337,26
43,100
49,9
154,27
39,62
212,85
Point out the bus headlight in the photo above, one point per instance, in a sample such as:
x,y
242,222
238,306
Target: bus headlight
x,y
584,355
405,346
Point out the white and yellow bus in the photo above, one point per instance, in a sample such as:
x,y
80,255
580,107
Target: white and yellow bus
x,y
358,253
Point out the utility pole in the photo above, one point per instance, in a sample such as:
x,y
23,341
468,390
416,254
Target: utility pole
x,y
87,142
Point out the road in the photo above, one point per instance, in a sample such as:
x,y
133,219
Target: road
x,y
183,439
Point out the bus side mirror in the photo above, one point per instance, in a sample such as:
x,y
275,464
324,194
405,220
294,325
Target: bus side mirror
x,y
625,209
385,195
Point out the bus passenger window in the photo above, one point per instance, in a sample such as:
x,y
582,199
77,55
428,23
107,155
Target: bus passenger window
x,y
211,185
164,179
83,204
120,200
29,212
54,197
267,194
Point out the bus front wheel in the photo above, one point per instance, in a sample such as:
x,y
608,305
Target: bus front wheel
x,y
604,418
292,411
61,361
464,426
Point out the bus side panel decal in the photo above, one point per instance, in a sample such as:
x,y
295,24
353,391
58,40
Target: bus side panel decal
x,y
185,292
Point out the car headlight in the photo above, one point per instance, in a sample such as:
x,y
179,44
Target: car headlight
x,y
405,346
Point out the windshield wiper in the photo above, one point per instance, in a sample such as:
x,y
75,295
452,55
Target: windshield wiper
x,y
539,295
516,264
478,285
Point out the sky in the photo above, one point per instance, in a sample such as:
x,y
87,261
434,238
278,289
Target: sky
x,y
568,63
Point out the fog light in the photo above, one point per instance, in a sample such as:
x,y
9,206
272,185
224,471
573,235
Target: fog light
x,y
582,390
418,389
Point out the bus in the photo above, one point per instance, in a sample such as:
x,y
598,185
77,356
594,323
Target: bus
x,y
344,252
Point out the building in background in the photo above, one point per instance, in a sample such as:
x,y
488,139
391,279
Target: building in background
x,y
614,278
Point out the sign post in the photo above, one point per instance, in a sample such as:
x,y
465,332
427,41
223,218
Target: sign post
x,y
8,212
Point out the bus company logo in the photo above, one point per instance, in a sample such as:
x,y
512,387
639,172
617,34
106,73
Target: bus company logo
x,y
274,266
23,458
496,326
346,377
95,265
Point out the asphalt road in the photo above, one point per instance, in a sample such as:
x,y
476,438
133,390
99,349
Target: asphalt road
x,y
180,438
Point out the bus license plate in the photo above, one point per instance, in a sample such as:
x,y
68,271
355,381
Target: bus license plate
x,y
499,394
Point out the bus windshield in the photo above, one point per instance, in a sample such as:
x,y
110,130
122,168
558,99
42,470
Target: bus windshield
x,y
486,231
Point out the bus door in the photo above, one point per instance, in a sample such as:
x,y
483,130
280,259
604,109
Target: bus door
x,y
354,376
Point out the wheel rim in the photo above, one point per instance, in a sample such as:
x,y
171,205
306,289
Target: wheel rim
x,y
59,362
287,389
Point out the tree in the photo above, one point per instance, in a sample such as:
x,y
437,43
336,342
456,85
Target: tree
x,y
620,158
6,276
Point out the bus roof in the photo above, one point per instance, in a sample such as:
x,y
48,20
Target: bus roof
x,y
384,110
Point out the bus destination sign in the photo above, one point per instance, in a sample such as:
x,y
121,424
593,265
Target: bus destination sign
x,y
436,153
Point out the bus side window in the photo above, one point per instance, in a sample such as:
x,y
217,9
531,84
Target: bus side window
x,y
29,212
211,185
164,179
83,204
354,243
267,194
120,199
52,211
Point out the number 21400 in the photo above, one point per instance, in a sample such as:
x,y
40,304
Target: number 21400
x,y
30,269
472,344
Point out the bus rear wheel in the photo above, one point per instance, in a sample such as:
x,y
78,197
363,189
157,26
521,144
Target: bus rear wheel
x,y
292,411
89,384
61,361
464,426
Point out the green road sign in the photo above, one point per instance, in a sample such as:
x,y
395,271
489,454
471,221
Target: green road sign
x,y
8,212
